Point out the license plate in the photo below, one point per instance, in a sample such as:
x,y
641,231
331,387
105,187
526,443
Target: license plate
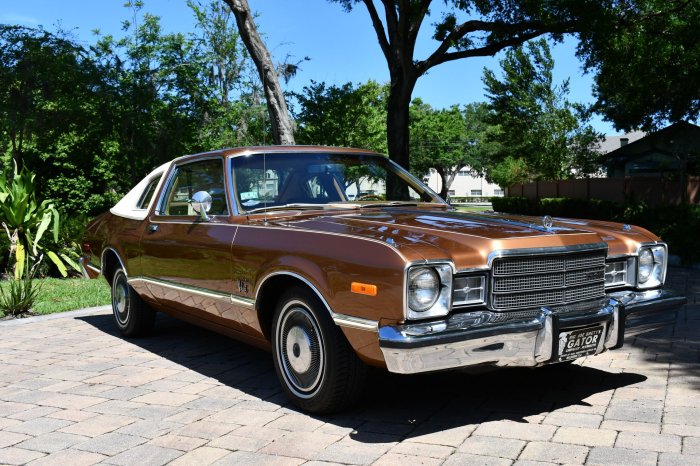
x,y
578,343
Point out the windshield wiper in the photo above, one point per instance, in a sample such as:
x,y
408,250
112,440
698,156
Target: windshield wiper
x,y
390,204
293,206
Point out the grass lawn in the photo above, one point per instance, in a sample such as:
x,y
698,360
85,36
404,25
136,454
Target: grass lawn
x,y
474,208
68,294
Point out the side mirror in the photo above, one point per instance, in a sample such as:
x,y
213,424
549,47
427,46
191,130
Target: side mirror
x,y
201,203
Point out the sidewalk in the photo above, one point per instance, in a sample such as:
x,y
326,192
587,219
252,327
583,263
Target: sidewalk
x,y
73,392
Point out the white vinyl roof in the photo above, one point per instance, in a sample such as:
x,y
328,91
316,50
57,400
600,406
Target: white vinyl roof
x,y
127,206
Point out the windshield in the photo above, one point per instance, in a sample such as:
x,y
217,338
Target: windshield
x,y
315,180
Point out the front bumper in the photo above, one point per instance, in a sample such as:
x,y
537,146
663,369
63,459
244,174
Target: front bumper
x,y
528,338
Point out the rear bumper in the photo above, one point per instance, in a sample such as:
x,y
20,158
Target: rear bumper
x,y
526,339
88,270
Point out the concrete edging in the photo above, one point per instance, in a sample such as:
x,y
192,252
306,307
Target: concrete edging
x,y
57,315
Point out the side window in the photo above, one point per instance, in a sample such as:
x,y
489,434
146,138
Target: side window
x,y
205,175
148,193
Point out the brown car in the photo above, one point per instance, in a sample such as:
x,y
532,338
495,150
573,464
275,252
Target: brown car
x,y
338,259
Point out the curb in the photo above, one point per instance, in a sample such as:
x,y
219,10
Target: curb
x,y
58,315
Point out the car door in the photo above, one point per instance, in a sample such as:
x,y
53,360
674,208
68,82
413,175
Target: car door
x,y
186,260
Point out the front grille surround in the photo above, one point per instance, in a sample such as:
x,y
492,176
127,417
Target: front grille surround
x,y
525,279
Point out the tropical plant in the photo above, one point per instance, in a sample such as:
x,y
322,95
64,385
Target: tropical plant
x,y
25,221
18,295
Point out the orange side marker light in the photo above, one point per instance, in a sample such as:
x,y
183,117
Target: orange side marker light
x,y
363,288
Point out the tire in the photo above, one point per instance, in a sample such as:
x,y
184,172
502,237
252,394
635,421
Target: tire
x,y
133,316
318,369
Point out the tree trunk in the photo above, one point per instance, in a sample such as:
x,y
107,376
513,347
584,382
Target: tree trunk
x,y
444,186
397,120
280,121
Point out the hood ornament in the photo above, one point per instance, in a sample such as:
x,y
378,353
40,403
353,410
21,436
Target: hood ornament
x,y
547,222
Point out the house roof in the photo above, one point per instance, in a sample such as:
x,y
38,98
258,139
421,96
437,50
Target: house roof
x,y
614,142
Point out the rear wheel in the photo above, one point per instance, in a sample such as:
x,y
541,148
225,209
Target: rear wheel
x,y
133,316
317,367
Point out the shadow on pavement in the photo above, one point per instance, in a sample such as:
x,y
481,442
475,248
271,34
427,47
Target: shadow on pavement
x,y
393,407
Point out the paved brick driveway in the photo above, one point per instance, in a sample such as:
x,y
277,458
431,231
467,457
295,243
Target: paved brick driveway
x,y
73,392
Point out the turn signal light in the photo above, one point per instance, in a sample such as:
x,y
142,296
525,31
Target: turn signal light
x,y
363,288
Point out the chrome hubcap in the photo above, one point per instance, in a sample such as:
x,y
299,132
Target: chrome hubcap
x,y
119,298
300,350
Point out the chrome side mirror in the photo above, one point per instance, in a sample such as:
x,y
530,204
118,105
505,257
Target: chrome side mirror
x,y
201,203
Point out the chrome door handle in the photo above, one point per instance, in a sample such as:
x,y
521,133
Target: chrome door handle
x,y
152,228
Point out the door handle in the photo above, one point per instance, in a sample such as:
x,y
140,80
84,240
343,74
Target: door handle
x,y
152,228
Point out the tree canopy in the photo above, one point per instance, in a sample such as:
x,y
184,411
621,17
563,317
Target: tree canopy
x,y
647,64
467,28
447,140
347,115
537,133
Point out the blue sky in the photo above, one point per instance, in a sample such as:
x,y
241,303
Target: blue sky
x,y
342,46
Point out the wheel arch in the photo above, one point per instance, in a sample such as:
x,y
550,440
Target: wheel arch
x,y
110,259
271,288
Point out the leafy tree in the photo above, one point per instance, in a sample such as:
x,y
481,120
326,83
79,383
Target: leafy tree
x,y
51,116
235,114
540,135
468,28
281,123
347,115
648,68
153,84
438,142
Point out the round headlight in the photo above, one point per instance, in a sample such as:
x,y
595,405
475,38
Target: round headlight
x,y
646,264
423,288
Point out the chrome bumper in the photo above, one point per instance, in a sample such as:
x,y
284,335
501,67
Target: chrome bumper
x,y
528,338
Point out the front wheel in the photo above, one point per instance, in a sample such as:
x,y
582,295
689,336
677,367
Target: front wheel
x,y
133,317
318,369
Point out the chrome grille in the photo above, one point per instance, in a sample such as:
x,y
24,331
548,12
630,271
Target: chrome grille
x,y
523,282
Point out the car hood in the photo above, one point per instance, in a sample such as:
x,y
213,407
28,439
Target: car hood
x,y
466,238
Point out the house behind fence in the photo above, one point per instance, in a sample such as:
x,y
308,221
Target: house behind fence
x,y
654,169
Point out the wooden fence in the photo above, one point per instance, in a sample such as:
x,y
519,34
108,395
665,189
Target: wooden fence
x,y
652,190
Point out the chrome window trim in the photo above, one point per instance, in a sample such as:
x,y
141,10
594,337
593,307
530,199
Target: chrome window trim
x,y
158,208
231,191
156,178
400,172
342,320
207,293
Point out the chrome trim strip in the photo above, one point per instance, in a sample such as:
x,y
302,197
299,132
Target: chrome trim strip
x,y
339,319
356,322
93,268
228,298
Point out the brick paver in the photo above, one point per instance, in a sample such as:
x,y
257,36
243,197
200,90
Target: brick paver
x,y
74,392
